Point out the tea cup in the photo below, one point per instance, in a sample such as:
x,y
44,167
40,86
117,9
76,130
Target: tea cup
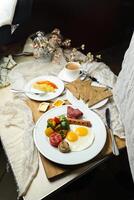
x,y
70,72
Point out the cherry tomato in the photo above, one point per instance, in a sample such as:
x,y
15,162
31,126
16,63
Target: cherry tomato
x,y
57,120
55,138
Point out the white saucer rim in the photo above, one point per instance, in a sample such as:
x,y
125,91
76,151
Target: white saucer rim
x,y
66,78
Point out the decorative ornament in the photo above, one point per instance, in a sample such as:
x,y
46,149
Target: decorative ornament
x,y
54,44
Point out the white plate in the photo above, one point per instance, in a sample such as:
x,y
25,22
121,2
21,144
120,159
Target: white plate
x,y
48,95
72,99
100,104
71,158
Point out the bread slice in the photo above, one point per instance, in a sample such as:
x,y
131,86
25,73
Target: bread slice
x,y
88,93
98,96
72,87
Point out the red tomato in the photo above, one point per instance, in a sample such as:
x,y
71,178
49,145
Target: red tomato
x,y
55,139
57,120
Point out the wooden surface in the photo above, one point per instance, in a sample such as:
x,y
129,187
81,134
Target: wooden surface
x,y
52,169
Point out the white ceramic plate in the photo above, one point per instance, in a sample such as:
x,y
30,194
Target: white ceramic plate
x,y
48,95
100,104
72,99
71,158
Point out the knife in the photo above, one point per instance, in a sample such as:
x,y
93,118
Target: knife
x,y
108,121
86,75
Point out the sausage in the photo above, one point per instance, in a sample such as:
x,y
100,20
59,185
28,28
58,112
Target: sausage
x,y
79,122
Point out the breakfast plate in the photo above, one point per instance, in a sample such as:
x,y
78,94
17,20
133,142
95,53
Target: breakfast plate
x,y
100,104
72,99
71,158
32,92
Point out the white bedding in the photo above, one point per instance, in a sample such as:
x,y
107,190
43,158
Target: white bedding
x,y
7,9
124,98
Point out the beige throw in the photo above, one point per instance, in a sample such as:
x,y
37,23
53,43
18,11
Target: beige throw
x,y
16,133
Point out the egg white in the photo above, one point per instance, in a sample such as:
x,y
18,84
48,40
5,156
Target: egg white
x,y
83,142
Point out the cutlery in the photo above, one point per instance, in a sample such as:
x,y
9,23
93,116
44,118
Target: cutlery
x,y
24,91
108,121
36,93
84,75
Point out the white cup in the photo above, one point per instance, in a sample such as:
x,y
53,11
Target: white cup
x,y
72,70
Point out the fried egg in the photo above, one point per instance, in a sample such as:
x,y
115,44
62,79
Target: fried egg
x,y
79,137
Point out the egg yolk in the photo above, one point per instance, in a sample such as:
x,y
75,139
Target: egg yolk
x,y
71,136
81,131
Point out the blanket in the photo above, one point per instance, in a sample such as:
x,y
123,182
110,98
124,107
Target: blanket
x,y
124,98
7,10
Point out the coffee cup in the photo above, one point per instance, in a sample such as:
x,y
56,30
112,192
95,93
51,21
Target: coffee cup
x,y
72,70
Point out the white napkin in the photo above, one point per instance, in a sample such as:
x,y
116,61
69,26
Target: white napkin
x,y
6,64
105,76
124,98
7,9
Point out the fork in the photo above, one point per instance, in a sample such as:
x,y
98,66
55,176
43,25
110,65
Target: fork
x,y
24,91
85,74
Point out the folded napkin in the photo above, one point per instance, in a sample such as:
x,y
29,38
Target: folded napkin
x,y
7,9
16,133
6,64
105,76
124,98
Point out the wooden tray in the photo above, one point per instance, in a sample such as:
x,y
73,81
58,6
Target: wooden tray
x,y
52,169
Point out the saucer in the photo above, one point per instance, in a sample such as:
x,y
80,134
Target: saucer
x,y
65,77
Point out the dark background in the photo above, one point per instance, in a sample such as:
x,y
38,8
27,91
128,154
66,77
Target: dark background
x,y
98,24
